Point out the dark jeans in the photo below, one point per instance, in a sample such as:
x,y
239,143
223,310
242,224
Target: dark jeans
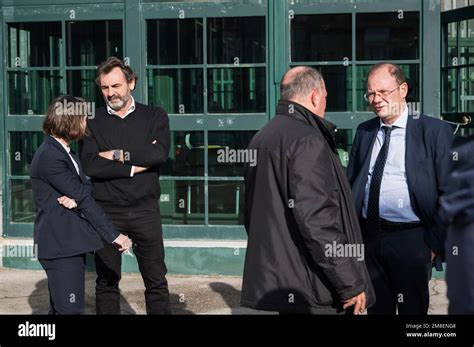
x,y
66,277
144,229
399,264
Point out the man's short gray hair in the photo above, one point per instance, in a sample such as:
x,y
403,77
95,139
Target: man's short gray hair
x,y
300,84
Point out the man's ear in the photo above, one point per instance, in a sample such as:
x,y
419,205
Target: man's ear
x,y
404,90
132,85
314,98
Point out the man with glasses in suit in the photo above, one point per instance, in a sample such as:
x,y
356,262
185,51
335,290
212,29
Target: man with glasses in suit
x,y
397,170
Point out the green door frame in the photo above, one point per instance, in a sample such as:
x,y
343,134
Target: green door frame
x,y
429,21
431,59
236,8
4,194
455,16
277,13
41,12
205,122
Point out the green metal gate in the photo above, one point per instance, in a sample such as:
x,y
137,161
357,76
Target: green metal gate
x,y
215,66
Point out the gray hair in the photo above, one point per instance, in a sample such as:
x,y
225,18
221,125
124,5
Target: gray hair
x,y
300,84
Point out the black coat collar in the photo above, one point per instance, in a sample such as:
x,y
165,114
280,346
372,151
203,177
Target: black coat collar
x,y
295,110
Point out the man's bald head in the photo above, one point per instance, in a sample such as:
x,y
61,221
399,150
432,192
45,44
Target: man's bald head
x,y
300,81
394,70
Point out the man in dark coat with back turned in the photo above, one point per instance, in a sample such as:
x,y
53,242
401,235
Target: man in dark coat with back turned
x,y
397,170
305,251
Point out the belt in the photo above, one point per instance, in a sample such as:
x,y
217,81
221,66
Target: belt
x,y
389,226
386,225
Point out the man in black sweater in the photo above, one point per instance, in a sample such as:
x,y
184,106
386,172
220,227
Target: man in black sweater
x,y
126,143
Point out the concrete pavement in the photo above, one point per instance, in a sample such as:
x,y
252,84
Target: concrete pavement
x,y
26,292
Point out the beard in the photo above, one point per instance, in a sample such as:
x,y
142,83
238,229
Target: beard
x,y
117,102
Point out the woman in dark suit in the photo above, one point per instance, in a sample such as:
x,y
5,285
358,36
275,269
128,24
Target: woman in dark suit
x,y
68,223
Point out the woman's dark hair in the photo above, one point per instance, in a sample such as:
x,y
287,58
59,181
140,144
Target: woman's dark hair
x,y
64,118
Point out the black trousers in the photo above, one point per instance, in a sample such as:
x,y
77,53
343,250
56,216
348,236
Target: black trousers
x,y
144,229
399,264
66,278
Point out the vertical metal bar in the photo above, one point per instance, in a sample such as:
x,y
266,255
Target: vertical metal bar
x,y
188,198
430,57
3,107
237,198
354,63
62,59
206,133
107,34
269,56
205,72
279,46
206,177
457,70
134,47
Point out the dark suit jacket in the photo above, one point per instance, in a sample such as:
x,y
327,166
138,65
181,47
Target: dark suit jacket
x,y
427,157
60,232
457,208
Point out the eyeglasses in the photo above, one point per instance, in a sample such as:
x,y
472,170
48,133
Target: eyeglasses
x,y
369,97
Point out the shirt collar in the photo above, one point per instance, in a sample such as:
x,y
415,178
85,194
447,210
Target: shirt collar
x,y
130,109
67,148
401,122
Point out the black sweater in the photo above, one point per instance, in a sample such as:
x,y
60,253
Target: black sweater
x,y
114,189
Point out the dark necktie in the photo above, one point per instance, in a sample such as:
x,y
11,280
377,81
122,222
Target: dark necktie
x,y
373,217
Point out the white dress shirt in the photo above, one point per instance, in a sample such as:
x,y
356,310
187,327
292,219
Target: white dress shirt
x,y
395,204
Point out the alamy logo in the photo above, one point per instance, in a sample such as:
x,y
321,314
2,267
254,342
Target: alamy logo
x,y
348,250
37,330
68,108
233,156
19,251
